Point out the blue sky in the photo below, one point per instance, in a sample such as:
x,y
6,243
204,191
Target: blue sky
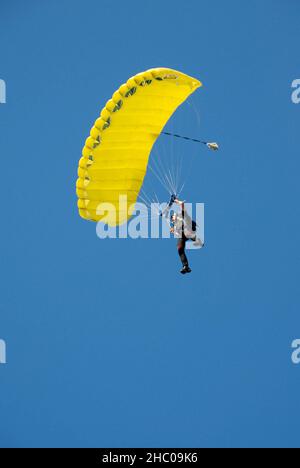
x,y
107,344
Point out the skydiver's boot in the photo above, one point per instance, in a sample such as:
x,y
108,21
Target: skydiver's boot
x,y
185,269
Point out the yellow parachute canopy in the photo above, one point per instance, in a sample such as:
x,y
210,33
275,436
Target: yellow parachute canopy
x,y
115,156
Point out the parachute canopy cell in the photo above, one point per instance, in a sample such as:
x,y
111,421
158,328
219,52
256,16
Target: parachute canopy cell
x,y
115,155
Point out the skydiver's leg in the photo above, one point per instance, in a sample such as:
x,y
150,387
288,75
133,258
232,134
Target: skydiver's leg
x,y
181,252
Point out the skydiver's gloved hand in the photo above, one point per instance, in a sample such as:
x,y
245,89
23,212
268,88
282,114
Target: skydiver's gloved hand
x,y
172,200
166,211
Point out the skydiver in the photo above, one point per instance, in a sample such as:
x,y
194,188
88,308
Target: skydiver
x,y
184,229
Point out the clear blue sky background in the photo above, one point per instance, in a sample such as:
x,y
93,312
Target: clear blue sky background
x,y
107,344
